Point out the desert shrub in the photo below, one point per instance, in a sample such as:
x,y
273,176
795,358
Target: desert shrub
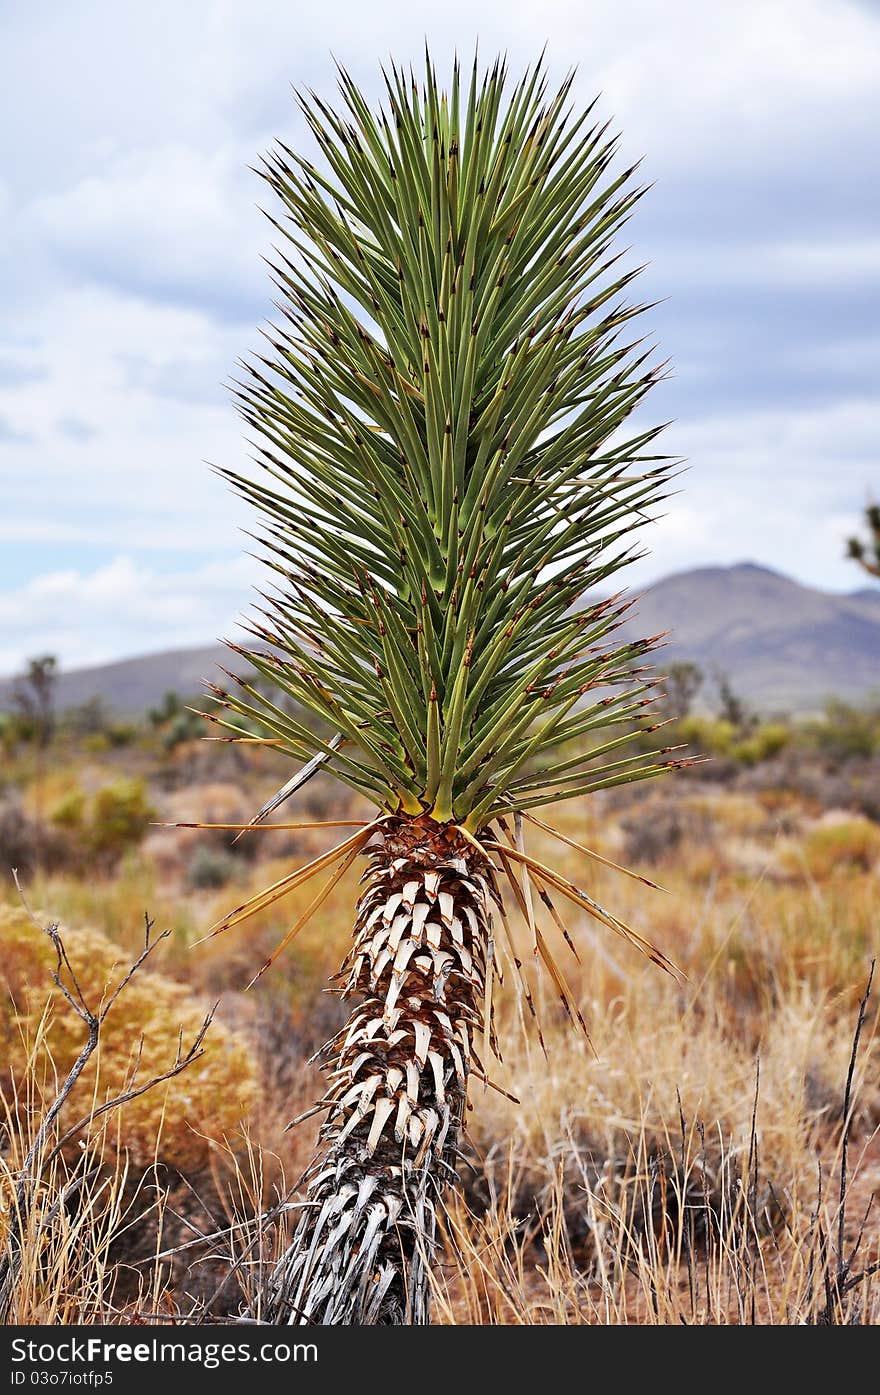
x,y
845,732
712,735
119,816
211,868
764,743
174,722
119,734
818,783
186,726
177,1120
842,845
69,811
97,729
9,732
97,830
662,829
116,735
26,842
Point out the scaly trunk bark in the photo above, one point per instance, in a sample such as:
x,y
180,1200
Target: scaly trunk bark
x,y
363,1245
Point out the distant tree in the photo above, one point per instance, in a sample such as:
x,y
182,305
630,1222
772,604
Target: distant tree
x,y
683,682
169,707
86,718
867,552
92,722
33,697
731,706
174,721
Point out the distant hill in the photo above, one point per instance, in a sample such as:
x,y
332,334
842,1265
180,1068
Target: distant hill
x,y
130,686
784,646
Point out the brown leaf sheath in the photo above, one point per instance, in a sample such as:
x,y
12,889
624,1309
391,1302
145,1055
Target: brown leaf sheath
x,y
363,1245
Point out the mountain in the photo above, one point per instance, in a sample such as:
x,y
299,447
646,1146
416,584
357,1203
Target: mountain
x,y
784,646
130,686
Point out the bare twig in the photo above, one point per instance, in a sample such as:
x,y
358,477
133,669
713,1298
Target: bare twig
x,y
843,1266
839,1281
38,1157
192,1055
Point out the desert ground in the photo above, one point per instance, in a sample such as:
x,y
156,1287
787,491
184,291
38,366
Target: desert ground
x,y
707,1155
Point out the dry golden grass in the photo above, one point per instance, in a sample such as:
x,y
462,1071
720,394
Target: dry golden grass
x,y
629,1184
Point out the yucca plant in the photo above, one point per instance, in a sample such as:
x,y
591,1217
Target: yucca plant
x,y
445,496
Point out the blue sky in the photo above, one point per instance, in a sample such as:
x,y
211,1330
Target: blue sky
x,y
132,279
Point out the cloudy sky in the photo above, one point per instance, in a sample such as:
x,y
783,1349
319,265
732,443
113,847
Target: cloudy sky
x,y
132,277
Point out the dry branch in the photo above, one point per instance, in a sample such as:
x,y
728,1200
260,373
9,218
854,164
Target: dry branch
x,y
40,1155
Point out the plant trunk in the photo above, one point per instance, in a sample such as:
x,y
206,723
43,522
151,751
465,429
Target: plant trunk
x,y
364,1242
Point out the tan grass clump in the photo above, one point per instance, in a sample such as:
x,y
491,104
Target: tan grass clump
x,y
841,843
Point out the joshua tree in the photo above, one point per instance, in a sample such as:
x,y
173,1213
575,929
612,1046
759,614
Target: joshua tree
x,y
34,697
680,686
445,495
867,553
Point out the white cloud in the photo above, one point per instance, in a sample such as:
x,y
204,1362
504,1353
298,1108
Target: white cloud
x,y
167,221
773,265
120,609
115,362
132,246
792,480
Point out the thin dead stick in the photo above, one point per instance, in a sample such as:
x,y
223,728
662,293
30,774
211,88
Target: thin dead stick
x,y
201,1239
36,1160
844,1266
308,1114
493,1086
182,1062
266,827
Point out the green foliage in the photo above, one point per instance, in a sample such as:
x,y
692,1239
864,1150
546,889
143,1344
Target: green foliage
x,y
765,742
169,707
846,732
103,827
211,868
70,810
443,475
174,722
